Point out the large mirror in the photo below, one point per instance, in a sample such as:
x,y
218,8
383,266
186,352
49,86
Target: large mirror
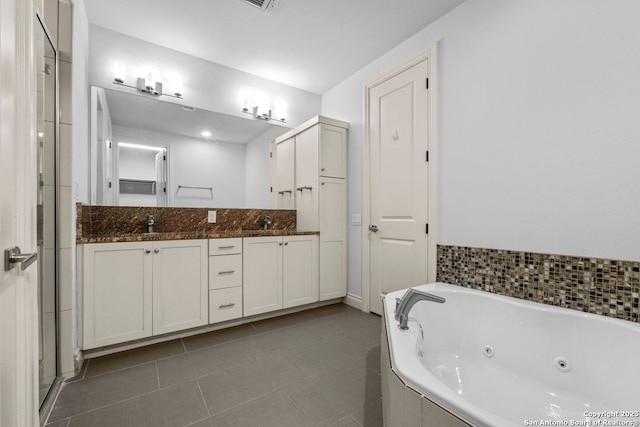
x,y
149,152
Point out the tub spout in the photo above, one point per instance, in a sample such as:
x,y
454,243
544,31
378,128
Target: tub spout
x,y
404,305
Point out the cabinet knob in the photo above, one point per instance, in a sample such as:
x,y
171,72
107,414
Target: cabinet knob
x,y
147,251
286,243
280,244
322,169
156,251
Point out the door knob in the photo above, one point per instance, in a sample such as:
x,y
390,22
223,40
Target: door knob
x,y
373,228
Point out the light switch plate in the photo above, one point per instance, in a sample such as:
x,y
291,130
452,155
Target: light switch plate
x,y
356,219
212,217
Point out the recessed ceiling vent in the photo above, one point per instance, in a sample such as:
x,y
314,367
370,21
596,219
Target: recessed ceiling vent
x,y
264,5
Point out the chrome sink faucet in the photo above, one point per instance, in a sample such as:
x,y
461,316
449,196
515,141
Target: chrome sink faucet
x,y
151,222
409,299
267,222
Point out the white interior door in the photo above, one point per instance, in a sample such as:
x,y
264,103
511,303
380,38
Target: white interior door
x,y
398,132
18,165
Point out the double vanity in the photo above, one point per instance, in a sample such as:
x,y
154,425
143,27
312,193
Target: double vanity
x,y
201,270
135,289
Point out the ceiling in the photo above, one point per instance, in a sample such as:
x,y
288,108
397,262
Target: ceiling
x,y
307,44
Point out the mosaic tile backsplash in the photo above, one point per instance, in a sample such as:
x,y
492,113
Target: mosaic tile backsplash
x,y
594,285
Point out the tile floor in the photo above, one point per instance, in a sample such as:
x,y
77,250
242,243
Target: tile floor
x,y
319,367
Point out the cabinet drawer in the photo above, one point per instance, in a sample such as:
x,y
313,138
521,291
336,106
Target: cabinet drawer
x,y
225,271
225,246
225,304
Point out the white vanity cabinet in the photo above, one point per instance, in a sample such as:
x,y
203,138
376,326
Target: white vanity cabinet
x,y
117,287
138,289
225,279
320,172
279,272
179,285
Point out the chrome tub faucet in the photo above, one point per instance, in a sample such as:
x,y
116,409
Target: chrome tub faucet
x,y
150,223
409,299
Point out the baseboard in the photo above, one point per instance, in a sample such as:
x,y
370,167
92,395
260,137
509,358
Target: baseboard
x,y
78,360
354,301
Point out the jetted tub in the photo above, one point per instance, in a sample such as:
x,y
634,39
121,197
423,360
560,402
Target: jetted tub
x,y
492,360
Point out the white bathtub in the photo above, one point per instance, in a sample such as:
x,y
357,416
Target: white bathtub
x,y
500,361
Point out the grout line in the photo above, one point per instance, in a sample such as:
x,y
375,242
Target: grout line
x,y
202,396
184,347
157,374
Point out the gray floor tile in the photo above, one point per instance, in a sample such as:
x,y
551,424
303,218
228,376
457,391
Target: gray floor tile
x,y
331,310
287,340
92,393
370,415
61,423
197,342
137,356
336,393
293,319
175,406
235,386
273,410
346,422
202,362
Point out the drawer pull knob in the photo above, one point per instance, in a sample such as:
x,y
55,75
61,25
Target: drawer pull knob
x,y
226,272
226,247
231,304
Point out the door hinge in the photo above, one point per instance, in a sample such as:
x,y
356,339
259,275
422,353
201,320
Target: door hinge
x,y
426,228
164,158
270,189
427,156
109,184
109,144
270,155
164,190
427,82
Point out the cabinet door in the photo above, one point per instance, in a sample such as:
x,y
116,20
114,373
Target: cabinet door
x,y
180,289
117,286
333,151
262,274
333,238
285,174
307,179
300,270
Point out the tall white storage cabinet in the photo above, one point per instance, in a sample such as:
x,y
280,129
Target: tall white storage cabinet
x,y
320,175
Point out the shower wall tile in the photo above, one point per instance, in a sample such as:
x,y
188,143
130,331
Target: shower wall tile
x,y
594,285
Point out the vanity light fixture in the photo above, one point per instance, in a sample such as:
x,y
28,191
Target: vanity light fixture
x,y
261,107
206,133
142,84
140,147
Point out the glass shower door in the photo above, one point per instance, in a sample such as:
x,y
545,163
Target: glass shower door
x,y
47,132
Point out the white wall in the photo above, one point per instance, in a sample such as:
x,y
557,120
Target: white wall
x,y
207,85
257,169
80,101
197,162
538,127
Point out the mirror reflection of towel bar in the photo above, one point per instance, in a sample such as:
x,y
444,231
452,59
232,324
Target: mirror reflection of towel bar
x,y
180,187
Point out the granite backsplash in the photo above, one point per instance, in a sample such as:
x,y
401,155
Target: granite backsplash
x,y
104,221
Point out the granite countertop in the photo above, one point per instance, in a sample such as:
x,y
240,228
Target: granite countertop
x,y
144,237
